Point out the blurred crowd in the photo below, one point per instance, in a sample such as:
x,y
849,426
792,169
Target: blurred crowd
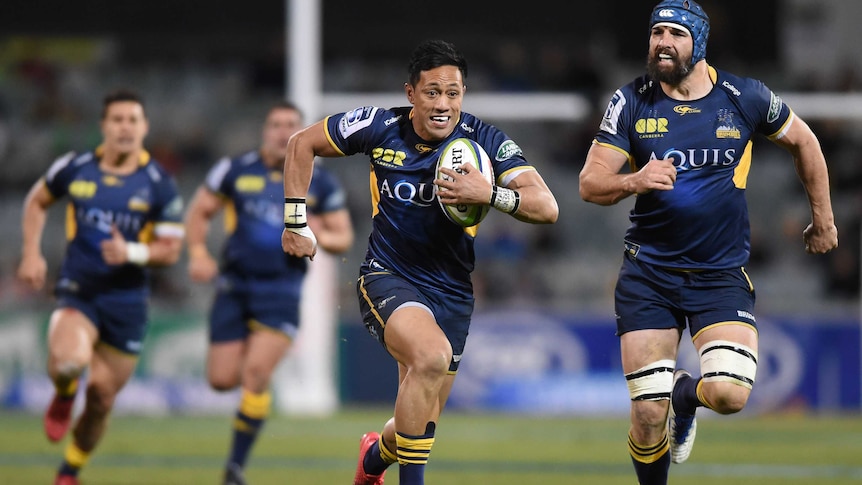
x,y
50,97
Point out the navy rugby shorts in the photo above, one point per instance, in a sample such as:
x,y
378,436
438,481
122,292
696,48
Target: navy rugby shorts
x,y
381,293
242,304
120,315
652,297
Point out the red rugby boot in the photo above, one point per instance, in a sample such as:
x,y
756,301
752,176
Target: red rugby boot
x,y
58,417
362,478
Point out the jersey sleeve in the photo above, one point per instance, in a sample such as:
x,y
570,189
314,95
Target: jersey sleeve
x,y
507,157
60,175
351,132
772,114
613,131
217,178
167,212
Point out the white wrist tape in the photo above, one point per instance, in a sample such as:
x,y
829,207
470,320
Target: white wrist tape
x,y
303,231
505,200
294,213
137,253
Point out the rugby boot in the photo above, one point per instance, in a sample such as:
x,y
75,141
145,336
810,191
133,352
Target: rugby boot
x,y
362,478
66,480
233,475
681,427
58,417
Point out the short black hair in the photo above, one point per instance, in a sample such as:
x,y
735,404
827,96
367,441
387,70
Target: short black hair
x,y
284,104
431,54
119,95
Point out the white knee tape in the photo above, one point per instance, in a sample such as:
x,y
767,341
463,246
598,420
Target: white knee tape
x,y
651,382
722,360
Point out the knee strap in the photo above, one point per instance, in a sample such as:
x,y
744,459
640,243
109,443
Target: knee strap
x,y
723,360
652,382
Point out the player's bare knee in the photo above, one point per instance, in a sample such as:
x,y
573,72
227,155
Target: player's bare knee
x,y
222,386
68,369
256,378
100,398
726,397
649,415
222,382
728,370
432,363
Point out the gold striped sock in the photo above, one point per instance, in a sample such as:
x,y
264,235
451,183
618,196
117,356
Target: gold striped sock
x,y
74,456
69,389
255,406
648,453
385,453
413,451
700,396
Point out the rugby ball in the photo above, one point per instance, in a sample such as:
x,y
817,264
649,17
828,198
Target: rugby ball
x,y
456,153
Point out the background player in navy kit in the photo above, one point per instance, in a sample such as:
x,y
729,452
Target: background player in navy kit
x,y
256,311
124,214
685,129
414,288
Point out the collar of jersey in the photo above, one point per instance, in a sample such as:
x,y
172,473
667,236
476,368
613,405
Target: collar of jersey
x,y
143,158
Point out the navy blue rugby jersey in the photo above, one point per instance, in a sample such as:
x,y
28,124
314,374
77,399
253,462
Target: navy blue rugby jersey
x,y
703,222
142,205
254,216
410,235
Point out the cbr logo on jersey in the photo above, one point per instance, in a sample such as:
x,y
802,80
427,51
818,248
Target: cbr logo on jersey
x,y
388,157
651,127
82,189
250,183
355,120
404,191
698,158
508,150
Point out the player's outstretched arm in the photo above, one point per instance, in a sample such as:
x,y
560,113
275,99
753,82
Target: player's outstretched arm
x,y
297,239
33,268
602,184
821,235
203,207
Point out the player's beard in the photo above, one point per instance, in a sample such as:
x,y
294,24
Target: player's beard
x,y
680,70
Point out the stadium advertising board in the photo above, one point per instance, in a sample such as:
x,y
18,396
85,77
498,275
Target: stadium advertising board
x,y
515,361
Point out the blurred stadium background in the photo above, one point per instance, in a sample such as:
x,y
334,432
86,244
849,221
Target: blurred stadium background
x,y
542,341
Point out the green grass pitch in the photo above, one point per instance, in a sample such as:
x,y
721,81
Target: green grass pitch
x,y
470,449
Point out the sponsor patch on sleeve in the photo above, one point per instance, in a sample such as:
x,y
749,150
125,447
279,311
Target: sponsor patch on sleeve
x,y
611,118
355,120
508,150
775,105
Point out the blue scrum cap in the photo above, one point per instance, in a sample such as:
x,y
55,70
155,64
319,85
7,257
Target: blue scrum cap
x,y
688,15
